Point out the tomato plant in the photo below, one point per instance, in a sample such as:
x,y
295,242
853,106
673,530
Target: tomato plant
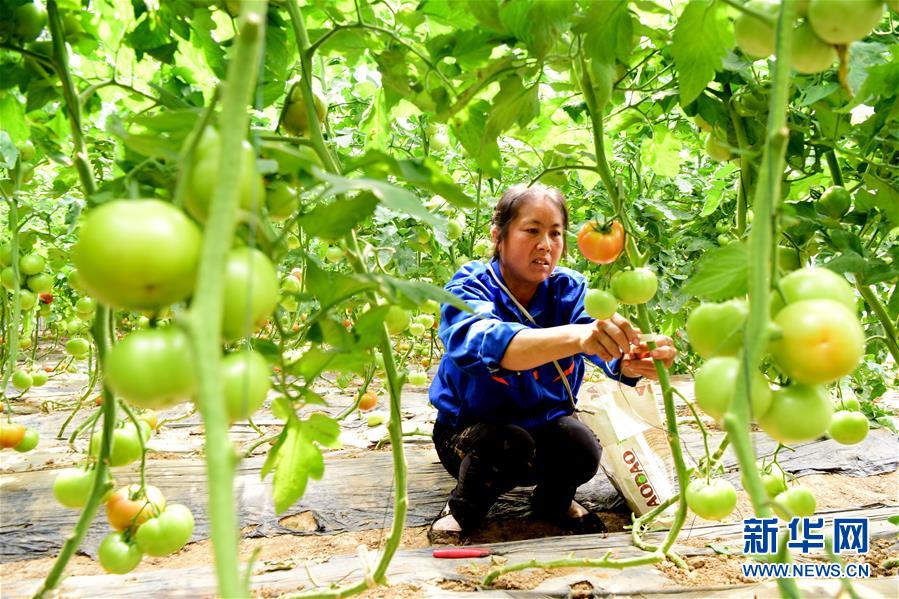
x,y
601,245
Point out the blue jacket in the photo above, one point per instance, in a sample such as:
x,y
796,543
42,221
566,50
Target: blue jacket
x,y
470,385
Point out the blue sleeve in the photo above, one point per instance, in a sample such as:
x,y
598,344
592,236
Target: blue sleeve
x,y
475,342
580,316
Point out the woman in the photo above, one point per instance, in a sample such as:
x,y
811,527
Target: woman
x,y
505,414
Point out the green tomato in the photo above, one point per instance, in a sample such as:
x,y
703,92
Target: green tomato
x,y
454,230
755,37
426,320
27,300
634,287
293,242
822,341
289,303
848,402
788,258
716,382
31,264
21,380
844,21
152,368
39,378
85,307
281,200
75,281
797,501
333,254
72,486
717,329
246,378
774,480
848,428
431,307
834,202
40,283
166,533
600,304
397,320
418,378
30,20
118,555
714,500
290,284
416,329
29,441
251,188
812,283
797,413
8,278
125,445
811,54
5,254
250,292
138,254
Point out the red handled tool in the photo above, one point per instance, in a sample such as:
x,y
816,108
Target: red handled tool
x,y
461,552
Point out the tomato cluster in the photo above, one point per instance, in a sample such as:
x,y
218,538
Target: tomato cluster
x,y
144,255
815,339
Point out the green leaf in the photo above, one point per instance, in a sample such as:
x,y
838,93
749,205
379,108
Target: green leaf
x,y
720,274
335,220
298,459
513,104
661,153
702,38
317,360
399,200
322,429
537,23
421,173
12,115
369,327
609,31
332,287
476,138
9,153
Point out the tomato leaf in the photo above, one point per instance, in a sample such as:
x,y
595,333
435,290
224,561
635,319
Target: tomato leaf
x,y
332,287
513,104
298,459
702,38
477,139
416,292
661,152
335,220
399,200
721,274
536,23
369,326
322,429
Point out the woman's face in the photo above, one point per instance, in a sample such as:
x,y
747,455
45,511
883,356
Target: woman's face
x,y
533,244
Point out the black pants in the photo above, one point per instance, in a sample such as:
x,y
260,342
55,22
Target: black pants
x,y
490,459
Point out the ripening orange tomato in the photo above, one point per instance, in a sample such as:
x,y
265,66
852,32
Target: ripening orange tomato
x,y
601,246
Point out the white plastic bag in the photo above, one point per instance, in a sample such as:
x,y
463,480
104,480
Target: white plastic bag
x,y
636,456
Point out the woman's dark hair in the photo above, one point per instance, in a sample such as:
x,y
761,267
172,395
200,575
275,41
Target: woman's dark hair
x,y
510,203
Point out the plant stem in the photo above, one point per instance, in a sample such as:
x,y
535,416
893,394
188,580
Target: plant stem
x,y
890,337
205,319
767,194
101,485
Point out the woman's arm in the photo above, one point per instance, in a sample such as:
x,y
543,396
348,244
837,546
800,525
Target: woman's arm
x,y
608,339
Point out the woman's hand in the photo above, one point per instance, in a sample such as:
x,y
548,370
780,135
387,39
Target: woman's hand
x,y
610,338
637,367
